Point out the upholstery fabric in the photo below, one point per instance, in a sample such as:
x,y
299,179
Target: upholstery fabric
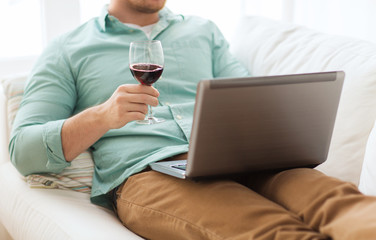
x,y
53,213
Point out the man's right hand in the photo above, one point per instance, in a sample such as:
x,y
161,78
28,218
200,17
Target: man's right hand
x,y
129,102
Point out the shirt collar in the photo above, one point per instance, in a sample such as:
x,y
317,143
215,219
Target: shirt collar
x,y
166,16
103,17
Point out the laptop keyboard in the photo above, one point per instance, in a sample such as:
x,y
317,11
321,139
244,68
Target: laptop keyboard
x,y
180,166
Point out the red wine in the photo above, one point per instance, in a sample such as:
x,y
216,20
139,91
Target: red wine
x,y
146,73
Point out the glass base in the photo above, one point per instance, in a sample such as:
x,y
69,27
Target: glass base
x,y
150,120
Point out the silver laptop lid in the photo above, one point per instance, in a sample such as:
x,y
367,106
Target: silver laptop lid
x,y
258,123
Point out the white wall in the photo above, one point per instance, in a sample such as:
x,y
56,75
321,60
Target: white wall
x,y
343,17
353,18
224,13
57,17
24,36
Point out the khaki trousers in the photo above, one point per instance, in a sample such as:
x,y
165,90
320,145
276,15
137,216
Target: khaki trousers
x,y
293,204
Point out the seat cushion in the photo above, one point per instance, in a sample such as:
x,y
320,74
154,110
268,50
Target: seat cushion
x,y
53,213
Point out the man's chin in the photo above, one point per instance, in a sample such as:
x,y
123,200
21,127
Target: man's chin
x,y
150,8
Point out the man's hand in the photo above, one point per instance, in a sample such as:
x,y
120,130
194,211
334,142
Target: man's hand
x,y
128,103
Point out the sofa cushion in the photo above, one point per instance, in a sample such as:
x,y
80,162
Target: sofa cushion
x,y
13,91
77,177
268,47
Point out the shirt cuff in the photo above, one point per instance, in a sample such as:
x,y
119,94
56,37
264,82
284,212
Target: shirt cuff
x,y
52,140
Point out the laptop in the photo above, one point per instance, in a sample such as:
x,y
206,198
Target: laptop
x,y
243,125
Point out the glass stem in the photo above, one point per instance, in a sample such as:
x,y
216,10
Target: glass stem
x,y
150,112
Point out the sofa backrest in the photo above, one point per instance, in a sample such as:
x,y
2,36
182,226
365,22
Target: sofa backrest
x,y
269,47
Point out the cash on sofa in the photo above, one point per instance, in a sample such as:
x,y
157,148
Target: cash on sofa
x,y
58,207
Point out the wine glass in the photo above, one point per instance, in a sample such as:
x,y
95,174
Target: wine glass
x,y
146,62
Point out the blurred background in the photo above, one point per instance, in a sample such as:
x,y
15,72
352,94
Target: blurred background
x,y
26,26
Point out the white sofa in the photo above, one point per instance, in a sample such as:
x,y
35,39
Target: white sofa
x,y
266,47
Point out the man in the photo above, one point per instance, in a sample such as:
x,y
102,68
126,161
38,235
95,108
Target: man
x,y
81,95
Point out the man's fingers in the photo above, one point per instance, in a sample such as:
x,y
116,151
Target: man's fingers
x,y
144,99
129,103
126,99
139,89
138,107
136,116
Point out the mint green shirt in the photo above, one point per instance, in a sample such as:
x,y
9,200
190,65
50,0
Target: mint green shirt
x,y
85,66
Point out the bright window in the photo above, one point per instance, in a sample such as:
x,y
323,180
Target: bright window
x,y
21,29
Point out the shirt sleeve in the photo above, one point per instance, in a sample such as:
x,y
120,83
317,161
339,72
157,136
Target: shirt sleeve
x,y
49,99
224,63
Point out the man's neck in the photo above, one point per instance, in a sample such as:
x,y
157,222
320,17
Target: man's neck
x,y
128,15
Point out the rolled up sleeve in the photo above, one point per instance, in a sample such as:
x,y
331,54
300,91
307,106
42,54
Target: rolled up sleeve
x,y
52,142
37,149
49,99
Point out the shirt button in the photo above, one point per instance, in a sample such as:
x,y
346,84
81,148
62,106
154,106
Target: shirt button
x,y
179,117
131,31
167,103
